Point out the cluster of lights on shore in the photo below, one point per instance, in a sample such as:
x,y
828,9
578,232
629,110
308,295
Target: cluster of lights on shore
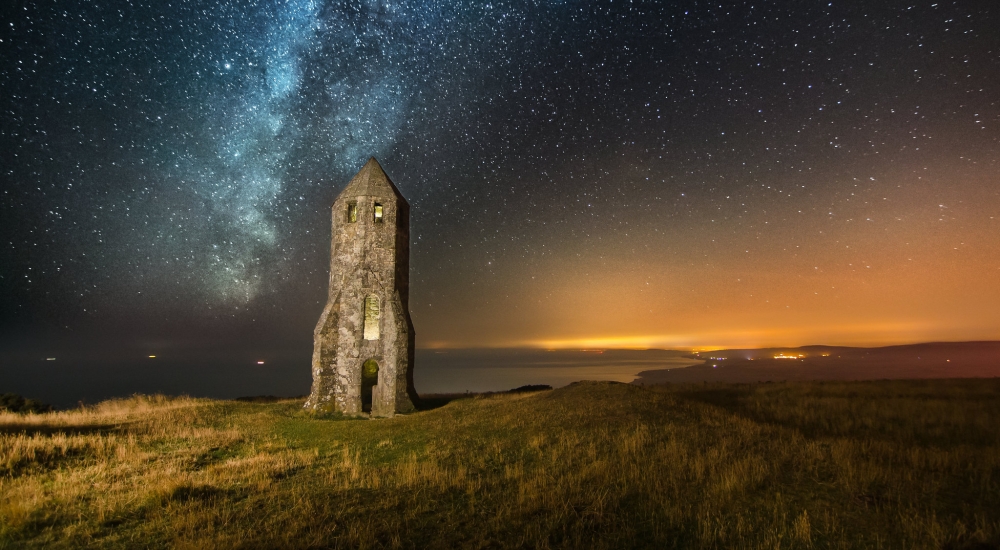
x,y
779,355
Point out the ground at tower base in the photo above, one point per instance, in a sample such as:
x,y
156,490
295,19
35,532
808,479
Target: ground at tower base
x,y
888,464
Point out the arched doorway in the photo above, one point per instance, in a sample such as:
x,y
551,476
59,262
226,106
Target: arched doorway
x,y
369,379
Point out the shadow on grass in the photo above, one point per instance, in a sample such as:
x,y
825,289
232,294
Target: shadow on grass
x,y
433,401
871,409
727,398
735,398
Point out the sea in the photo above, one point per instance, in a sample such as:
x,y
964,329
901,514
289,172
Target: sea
x,y
66,378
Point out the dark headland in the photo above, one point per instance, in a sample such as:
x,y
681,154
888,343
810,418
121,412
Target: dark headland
x,y
916,361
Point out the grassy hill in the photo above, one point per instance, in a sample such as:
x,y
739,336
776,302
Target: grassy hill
x,y
893,464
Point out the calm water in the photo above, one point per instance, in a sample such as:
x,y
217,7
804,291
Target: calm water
x,y
455,371
93,376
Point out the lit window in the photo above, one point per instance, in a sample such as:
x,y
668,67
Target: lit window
x,y
352,212
378,212
371,317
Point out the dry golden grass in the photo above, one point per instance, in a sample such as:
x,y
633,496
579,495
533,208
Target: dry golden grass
x,y
809,465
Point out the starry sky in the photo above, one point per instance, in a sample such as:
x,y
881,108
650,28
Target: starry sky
x,y
581,173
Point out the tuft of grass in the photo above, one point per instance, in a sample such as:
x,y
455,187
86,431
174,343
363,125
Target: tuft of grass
x,y
794,465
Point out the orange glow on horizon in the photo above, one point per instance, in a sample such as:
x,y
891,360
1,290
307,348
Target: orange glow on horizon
x,y
871,335
892,266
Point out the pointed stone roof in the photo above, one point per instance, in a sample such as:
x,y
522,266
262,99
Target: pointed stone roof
x,y
371,181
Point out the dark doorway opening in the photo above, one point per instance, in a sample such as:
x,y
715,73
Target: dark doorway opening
x,y
369,378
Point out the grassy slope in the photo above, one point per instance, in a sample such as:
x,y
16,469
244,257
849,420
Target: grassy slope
x,y
891,464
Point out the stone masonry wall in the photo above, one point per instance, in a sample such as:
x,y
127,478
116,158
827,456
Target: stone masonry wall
x,y
369,257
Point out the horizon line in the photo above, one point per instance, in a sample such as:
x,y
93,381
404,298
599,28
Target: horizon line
x,y
696,349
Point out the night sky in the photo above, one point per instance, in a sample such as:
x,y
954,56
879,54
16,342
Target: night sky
x,y
581,174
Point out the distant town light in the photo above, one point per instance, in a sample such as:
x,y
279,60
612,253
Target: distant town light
x,y
788,356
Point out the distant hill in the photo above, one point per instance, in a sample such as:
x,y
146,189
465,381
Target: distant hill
x,y
931,360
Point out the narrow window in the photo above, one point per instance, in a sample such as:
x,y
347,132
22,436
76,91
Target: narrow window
x,y
371,317
352,212
378,212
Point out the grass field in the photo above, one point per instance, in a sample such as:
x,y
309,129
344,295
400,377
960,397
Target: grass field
x,y
893,464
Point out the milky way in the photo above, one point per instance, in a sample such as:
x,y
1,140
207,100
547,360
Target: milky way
x,y
630,173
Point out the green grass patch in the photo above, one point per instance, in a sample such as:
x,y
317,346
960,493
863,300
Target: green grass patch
x,y
890,464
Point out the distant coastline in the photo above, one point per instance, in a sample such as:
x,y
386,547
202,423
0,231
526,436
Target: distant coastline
x,y
979,359
230,372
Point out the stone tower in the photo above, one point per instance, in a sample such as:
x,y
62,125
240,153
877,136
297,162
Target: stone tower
x,y
363,343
